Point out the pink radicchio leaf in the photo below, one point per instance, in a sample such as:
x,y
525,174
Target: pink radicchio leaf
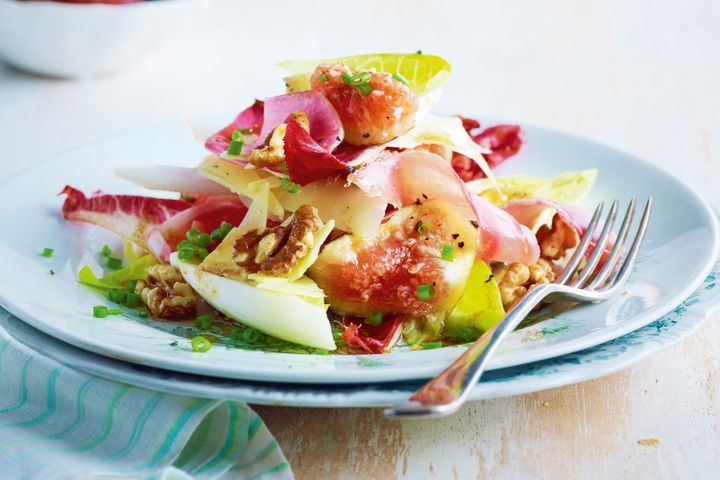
x,y
307,161
367,338
502,141
325,125
249,119
126,215
406,177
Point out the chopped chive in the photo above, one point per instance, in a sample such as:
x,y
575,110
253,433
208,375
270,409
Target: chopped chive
x,y
202,240
251,335
106,251
192,235
398,76
117,296
131,299
447,252
321,351
364,88
236,333
360,78
114,263
376,318
132,285
425,292
221,232
236,144
289,186
186,244
347,79
468,334
431,345
424,228
143,312
202,253
186,255
100,311
323,78
48,252
336,335
200,344
115,311
203,322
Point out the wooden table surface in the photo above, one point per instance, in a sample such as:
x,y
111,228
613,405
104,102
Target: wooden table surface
x,y
642,76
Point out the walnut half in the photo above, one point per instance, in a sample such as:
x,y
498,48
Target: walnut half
x,y
520,277
274,251
556,241
165,292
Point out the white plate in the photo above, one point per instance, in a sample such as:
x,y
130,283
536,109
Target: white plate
x,y
597,361
678,253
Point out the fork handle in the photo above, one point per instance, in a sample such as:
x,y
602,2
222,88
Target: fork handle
x,y
445,394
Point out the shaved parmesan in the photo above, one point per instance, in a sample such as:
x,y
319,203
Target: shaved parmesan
x,y
245,182
352,209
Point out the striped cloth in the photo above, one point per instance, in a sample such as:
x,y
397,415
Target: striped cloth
x,y
57,422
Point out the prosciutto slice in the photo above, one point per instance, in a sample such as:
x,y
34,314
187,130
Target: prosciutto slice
x,y
126,215
413,176
527,211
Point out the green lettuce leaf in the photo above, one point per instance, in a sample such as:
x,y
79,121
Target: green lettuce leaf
x,y
568,187
423,72
136,270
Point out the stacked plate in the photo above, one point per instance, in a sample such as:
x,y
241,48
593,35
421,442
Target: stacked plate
x,y
670,293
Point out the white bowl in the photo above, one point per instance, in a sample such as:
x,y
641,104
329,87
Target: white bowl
x,y
80,40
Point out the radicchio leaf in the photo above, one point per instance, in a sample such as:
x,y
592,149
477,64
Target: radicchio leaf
x,y
249,119
370,338
306,160
325,125
503,141
127,215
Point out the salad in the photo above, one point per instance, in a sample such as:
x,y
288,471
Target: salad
x,y
341,216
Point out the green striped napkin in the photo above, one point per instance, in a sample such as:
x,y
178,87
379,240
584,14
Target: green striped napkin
x,y
57,422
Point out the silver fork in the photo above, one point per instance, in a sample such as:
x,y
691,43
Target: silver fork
x,y
446,393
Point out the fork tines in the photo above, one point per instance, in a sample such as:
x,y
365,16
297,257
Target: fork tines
x,y
614,271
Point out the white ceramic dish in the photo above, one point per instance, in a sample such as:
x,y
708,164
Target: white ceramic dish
x,y
679,251
595,362
80,40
